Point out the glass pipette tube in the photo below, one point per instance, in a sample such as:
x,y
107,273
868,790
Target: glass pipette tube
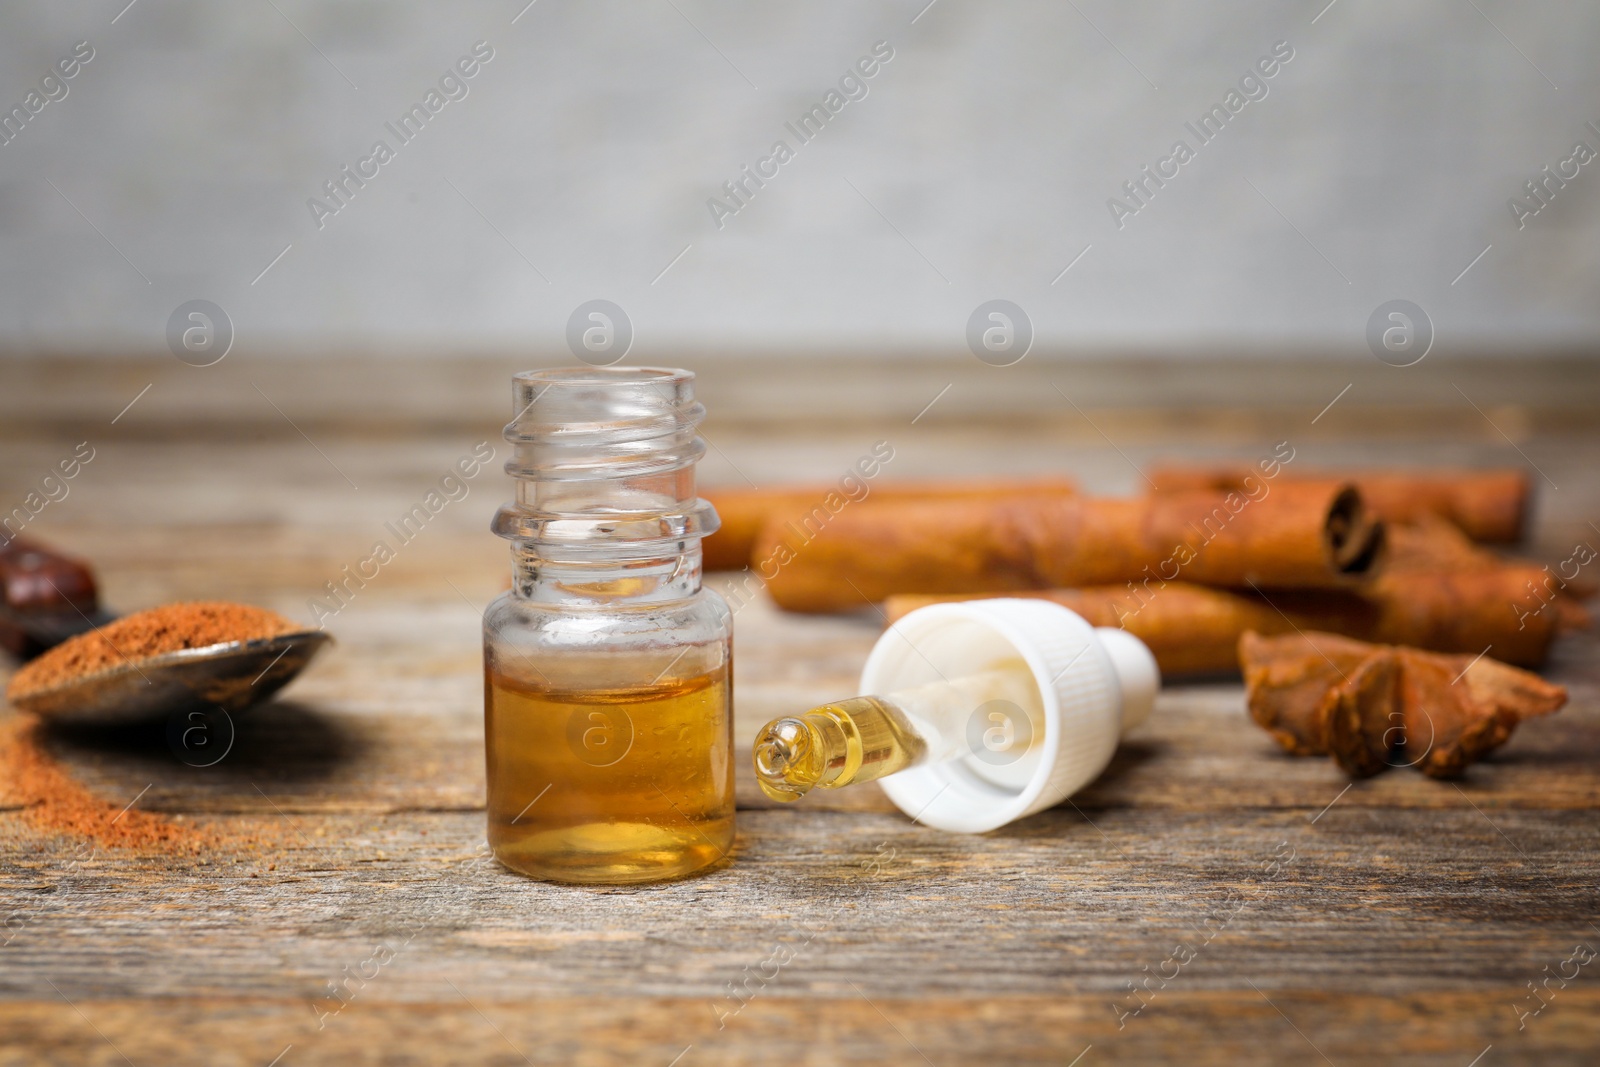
x,y
868,737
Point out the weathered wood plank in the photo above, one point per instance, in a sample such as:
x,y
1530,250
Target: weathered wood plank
x,y
1398,921
481,1027
384,725
1066,901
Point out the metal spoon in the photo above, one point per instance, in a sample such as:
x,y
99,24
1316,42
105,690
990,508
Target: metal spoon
x,y
231,676
46,597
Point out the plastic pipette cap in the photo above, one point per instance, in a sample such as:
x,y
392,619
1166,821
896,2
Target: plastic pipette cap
x,y
1095,684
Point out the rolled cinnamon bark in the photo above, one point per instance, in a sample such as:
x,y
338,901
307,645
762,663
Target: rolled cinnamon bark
x,y
809,507
1488,505
1433,544
1194,630
1289,536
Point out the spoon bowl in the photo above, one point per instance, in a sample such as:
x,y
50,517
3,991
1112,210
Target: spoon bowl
x,y
232,676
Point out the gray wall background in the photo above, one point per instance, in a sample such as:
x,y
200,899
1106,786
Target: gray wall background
x,y
978,166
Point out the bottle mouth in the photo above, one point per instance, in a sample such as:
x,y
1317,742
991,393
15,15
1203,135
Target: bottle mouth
x,y
604,374
604,454
599,394
577,423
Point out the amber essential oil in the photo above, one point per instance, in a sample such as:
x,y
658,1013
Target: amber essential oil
x,y
835,745
597,784
607,687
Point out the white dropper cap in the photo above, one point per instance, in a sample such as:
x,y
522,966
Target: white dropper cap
x,y
1095,684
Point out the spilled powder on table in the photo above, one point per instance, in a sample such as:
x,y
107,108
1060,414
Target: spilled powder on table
x,y
53,801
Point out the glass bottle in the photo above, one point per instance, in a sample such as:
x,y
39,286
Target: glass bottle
x,y
608,686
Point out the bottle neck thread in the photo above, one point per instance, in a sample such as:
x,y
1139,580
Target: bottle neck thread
x,y
605,581
606,509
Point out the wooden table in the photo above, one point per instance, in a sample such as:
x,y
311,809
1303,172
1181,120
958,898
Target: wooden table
x,y
1293,917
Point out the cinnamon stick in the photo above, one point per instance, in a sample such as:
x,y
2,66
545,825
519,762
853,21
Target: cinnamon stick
x,y
1489,505
1433,544
1294,536
1191,629
808,508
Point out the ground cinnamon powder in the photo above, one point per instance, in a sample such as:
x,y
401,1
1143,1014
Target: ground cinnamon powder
x,y
52,801
168,628
48,796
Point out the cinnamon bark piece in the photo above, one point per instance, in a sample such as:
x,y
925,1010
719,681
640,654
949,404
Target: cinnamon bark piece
x,y
1457,708
1291,681
805,509
1360,718
1433,544
1292,536
1319,693
1192,629
1489,505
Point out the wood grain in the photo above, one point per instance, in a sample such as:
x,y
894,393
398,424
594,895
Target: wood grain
x,y
1399,920
1223,1028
